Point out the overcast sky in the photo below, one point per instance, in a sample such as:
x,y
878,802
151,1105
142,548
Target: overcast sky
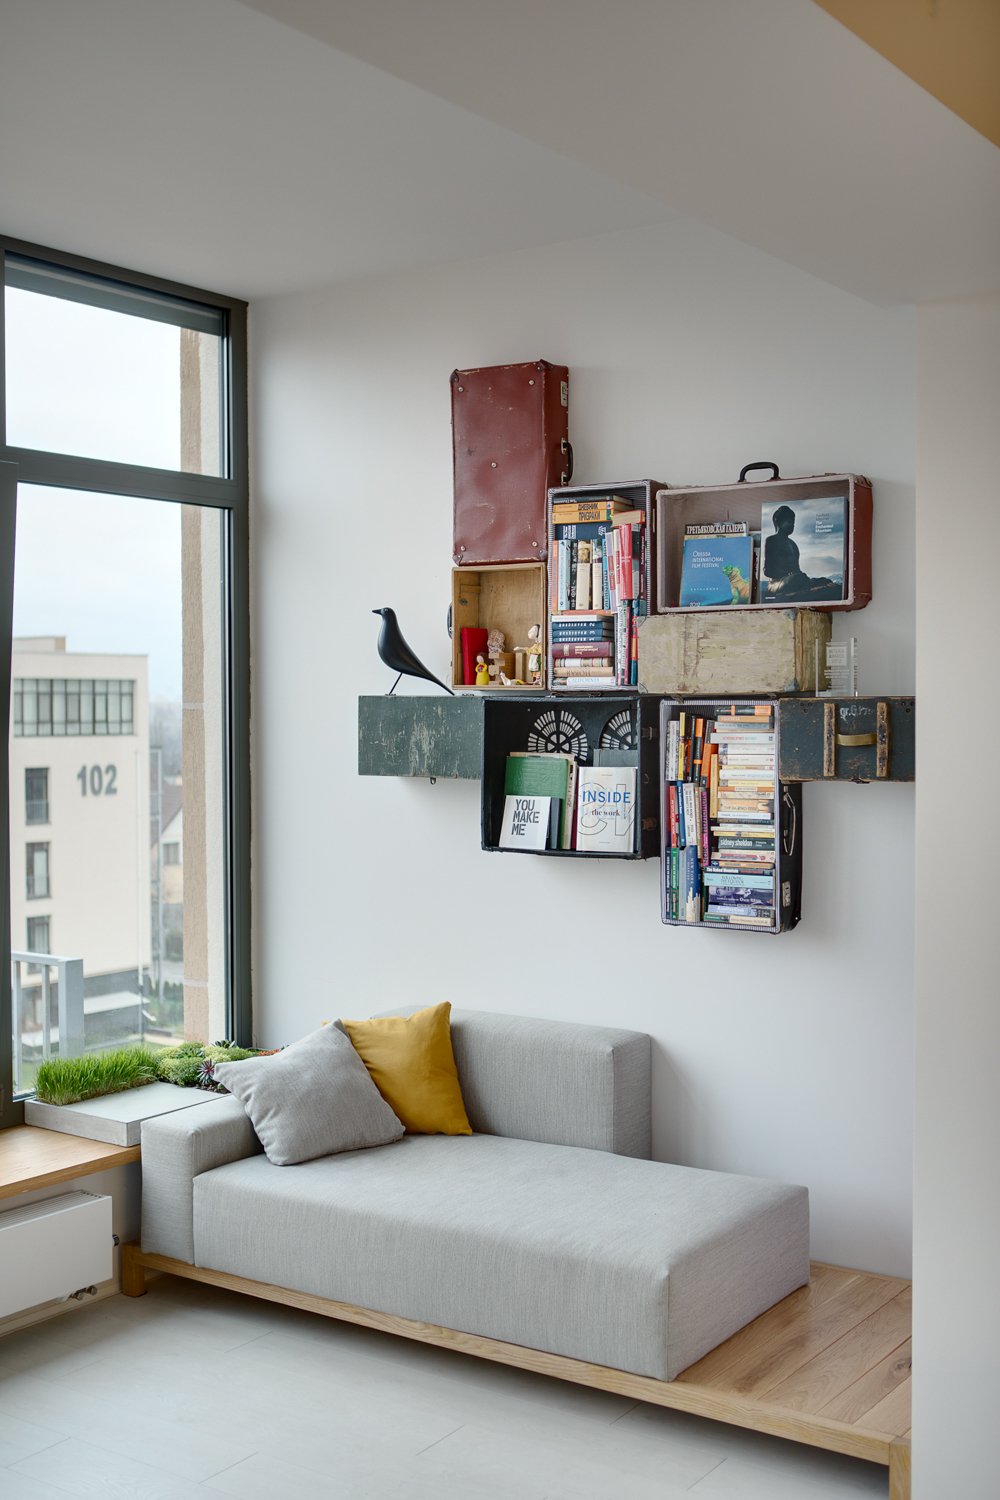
x,y
101,570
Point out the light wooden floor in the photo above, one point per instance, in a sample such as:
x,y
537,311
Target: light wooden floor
x,y
193,1391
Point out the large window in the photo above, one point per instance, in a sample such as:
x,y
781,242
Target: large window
x,y
124,607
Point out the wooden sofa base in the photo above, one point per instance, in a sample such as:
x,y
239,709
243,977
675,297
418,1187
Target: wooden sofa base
x,y
828,1366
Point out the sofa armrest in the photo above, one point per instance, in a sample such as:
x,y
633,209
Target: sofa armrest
x,y
175,1149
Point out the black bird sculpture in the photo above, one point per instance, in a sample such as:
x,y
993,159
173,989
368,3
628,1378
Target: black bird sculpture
x,y
398,655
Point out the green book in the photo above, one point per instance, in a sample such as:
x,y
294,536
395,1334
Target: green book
x,y
541,775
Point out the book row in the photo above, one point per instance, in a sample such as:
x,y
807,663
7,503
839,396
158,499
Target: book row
x,y
553,802
720,816
598,591
798,556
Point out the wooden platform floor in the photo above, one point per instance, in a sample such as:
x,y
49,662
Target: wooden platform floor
x,y
828,1366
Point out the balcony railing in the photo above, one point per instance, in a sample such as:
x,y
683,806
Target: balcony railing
x,y
37,810
38,886
38,1034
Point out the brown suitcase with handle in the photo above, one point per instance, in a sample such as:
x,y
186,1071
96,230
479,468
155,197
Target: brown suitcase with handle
x,y
510,433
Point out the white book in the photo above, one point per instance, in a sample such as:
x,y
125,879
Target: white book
x,y
525,822
605,818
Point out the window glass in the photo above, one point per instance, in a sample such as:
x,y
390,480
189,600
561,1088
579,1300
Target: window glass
x,y
119,667
101,370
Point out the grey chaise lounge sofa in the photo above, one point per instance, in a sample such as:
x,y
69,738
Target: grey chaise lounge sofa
x,y
548,1229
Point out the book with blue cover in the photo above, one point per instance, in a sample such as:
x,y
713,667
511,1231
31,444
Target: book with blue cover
x,y
716,570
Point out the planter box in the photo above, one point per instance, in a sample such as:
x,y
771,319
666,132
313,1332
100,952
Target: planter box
x,y
116,1118
774,651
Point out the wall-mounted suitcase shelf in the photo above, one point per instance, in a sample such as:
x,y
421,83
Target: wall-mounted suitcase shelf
x,y
574,726
563,540
417,736
510,441
848,739
700,505
740,812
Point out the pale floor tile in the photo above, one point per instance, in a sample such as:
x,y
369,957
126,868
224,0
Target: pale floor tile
x,y
751,1454
85,1470
802,1475
14,1486
272,1476
184,1442
443,1488
19,1439
195,1383
603,1468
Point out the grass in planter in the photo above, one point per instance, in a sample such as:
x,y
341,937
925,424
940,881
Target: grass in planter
x,y
67,1080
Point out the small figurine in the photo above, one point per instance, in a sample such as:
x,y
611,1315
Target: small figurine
x,y
482,671
535,655
494,648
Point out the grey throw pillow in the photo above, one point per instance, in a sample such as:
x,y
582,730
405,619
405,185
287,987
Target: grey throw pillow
x,y
313,1099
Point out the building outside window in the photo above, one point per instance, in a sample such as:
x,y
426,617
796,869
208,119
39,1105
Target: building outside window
x,y
36,795
38,871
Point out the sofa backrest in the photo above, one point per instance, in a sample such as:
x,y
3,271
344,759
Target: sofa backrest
x,y
554,1081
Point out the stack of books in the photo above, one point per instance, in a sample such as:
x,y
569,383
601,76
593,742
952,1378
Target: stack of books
x,y
553,802
598,591
719,817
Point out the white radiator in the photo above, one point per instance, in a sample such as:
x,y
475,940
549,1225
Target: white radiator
x,y
54,1248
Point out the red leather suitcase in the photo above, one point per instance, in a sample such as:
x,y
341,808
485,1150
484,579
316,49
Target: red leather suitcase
x,y
510,434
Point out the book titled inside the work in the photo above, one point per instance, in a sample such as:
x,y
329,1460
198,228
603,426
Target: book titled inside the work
x,y
606,809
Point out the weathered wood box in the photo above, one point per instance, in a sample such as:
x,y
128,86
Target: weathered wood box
x,y
741,651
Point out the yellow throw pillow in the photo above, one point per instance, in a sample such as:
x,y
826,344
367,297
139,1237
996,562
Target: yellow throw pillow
x,y
412,1065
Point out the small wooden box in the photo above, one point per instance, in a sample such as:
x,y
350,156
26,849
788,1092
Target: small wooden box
x,y
508,597
848,739
742,501
725,651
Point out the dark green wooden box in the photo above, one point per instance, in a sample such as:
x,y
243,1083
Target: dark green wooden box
x,y
847,739
414,736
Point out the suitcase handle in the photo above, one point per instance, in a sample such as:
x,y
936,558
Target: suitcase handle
x,y
567,448
764,464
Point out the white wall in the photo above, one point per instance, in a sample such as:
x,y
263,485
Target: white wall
x,y
957,1210
690,355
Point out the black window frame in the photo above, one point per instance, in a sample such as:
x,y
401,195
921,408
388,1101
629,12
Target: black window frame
x,y
229,495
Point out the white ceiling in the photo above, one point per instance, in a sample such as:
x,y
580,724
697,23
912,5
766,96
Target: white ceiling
x,y
265,146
